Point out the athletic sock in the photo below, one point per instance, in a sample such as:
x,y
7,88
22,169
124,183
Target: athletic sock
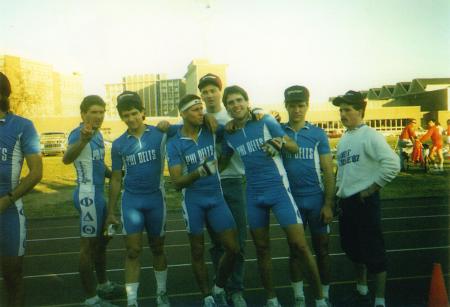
x,y
132,289
91,300
379,301
298,288
161,280
104,285
274,301
362,289
216,289
326,291
321,303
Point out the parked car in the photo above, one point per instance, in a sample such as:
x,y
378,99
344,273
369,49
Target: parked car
x,y
53,143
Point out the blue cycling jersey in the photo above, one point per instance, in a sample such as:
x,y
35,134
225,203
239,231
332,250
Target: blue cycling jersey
x,y
190,154
142,159
18,138
90,163
303,167
261,170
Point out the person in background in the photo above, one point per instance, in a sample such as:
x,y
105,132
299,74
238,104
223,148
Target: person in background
x,y
407,139
434,134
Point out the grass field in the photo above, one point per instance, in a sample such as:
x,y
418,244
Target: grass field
x,y
52,197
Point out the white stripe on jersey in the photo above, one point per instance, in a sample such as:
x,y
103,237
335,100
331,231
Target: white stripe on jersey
x,y
317,165
185,212
22,227
16,163
84,165
89,222
161,184
124,229
162,150
293,203
277,158
163,225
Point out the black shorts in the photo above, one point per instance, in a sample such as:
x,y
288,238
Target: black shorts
x,y
360,231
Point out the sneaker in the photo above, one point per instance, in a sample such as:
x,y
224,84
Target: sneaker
x,y
238,300
113,290
299,301
209,302
221,299
101,303
325,304
133,304
162,300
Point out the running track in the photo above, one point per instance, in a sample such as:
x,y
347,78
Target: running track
x,y
416,234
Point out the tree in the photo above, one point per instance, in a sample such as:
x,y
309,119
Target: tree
x,y
24,98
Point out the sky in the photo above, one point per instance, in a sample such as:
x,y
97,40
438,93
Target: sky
x,y
329,46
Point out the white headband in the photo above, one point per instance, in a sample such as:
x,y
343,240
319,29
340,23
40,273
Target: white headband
x,y
190,104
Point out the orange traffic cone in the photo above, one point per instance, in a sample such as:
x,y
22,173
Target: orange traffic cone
x,y
438,293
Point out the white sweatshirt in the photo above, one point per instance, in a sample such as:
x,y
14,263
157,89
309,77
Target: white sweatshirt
x,y
364,157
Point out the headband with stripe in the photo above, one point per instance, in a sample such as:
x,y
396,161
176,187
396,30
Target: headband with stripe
x,y
190,104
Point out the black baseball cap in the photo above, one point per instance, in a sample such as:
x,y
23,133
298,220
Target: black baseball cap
x,y
351,97
209,79
127,96
296,93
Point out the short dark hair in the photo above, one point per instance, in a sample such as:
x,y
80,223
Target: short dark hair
x,y
91,100
5,86
129,100
5,90
234,89
186,99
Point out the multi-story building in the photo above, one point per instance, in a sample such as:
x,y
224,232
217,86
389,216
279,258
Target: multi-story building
x,y
159,95
200,67
169,93
70,89
37,90
112,91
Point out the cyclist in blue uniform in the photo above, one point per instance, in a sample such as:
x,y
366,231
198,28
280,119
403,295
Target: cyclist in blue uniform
x,y
18,141
193,168
86,150
258,143
313,196
139,153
